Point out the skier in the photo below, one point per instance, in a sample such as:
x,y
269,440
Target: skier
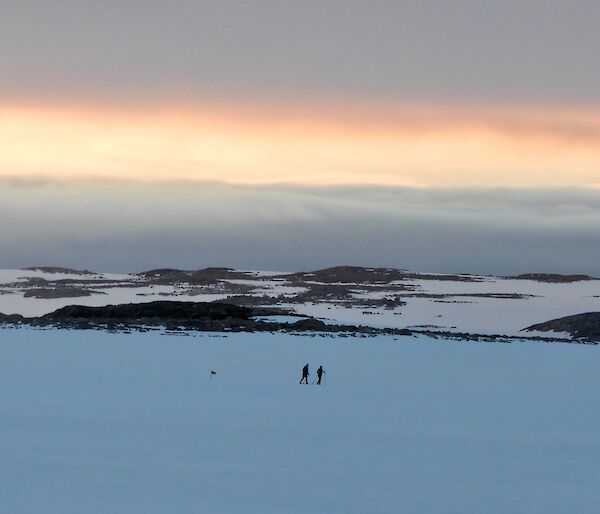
x,y
320,374
305,374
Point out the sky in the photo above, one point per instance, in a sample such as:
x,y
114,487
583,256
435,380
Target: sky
x,y
441,136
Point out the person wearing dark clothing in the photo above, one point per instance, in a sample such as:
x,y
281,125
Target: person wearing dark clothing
x,y
305,374
319,374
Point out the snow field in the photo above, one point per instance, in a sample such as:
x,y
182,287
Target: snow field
x,y
96,422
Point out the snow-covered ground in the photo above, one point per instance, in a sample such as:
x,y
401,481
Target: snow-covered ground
x,y
93,422
471,314
13,301
475,314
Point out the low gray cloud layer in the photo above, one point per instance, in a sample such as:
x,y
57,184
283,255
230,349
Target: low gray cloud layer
x,y
120,226
528,50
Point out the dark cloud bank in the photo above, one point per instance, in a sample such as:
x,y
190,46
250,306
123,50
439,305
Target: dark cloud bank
x,y
515,50
113,226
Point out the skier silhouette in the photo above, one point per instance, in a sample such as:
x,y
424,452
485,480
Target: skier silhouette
x,y
320,372
305,374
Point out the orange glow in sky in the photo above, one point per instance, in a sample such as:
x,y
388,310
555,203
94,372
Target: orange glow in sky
x,y
400,146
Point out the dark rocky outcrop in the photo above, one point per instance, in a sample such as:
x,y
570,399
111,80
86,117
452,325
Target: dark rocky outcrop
x,y
583,326
255,301
360,275
11,318
443,278
221,287
348,275
60,292
203,316
309,324
150,312
324,292
216,317
205,276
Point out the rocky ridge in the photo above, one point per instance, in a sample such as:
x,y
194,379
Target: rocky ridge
x,y
580,326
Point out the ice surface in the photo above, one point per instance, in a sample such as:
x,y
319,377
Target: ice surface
x,y
113,423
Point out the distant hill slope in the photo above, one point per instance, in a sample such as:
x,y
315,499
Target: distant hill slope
x,y
58,269
585,325
347,275
555,278
360,275
206,276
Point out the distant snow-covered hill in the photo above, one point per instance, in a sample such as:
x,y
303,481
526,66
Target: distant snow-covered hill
x,y
379,297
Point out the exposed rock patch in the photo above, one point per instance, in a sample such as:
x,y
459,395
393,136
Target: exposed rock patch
x,y
360,275
205,276
164,311
585,326
348,275
60,292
